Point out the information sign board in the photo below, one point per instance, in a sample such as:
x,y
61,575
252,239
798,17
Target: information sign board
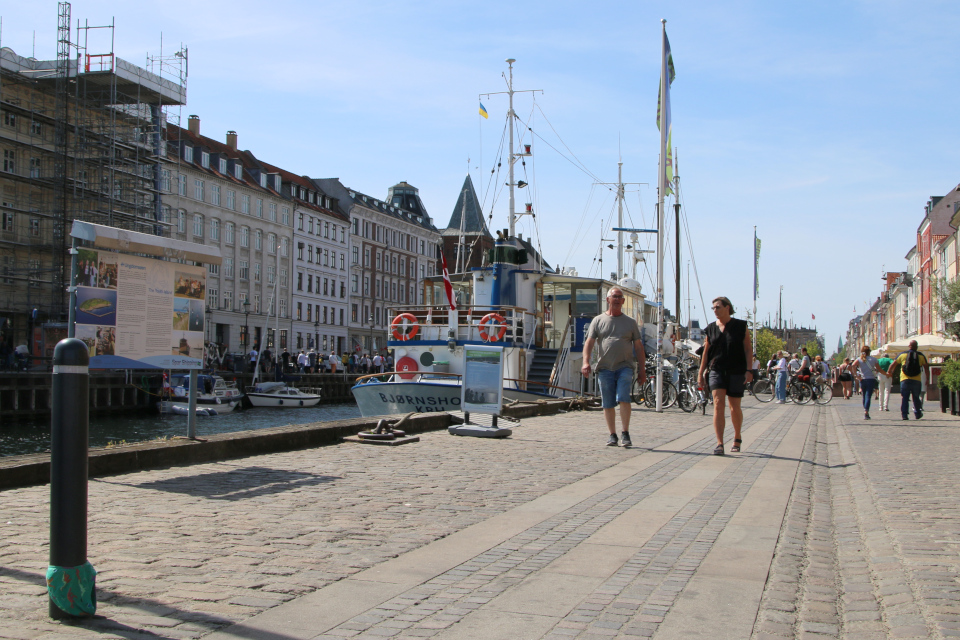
x,y
482,389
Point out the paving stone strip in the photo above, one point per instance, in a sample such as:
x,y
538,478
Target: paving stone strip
x,y
641,591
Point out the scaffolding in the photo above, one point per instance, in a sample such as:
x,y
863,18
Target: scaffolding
x,y
81,139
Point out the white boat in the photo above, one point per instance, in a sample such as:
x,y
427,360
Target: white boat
x,y
278,394
178,390
516,300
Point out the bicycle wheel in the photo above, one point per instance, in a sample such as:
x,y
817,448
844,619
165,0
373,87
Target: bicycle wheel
x,y
650,394
687,399
824,393
763,390
801,392
636,392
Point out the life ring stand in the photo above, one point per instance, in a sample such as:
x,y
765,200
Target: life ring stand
x,y
395,327
493,319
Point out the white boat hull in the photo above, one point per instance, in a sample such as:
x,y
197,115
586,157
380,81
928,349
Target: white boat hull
x,y
205,409
283,402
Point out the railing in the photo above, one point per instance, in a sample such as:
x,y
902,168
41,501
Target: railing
x,y
433,322
426,376
561,361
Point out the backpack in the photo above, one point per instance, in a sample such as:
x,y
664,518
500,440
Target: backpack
x,y
911,367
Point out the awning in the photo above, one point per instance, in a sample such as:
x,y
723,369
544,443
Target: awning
x,y
119,362
929,344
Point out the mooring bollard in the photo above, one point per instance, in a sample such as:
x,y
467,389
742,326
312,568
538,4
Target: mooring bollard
x,y
70,578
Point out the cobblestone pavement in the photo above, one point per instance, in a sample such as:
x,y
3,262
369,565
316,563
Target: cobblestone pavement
x,y
867,548
870,542
183,551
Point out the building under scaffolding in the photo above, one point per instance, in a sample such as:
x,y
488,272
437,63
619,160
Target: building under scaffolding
x,y
80,139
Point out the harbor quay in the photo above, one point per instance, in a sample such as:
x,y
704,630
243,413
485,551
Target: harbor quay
x,y
825,526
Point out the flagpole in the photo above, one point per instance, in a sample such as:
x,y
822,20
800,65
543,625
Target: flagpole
x,y
661,190
756,269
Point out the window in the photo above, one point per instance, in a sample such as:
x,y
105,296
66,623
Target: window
x,y
300,221
231,199
244,270
366,287
223,165
245,204
341,317
325,291
273,212
9,161
283,277
354,284
378,261
213,298
244,236
299,313
181,221
284,247
198,190
309,283
423,250
285,216
228,236
326,257
309,313
283,314
165,181
263,180
343,262
343,234
259,207
182,185
8,268
198,225
258,240
205,159
353,313
356,255
318,255
366,257
356,226
310,225
215,194
36,127
256,272
256,303
309,253
326,229
34,167
35,227
325,314
228,300
299,281
188,154
271,243
237,170
343,289
213,269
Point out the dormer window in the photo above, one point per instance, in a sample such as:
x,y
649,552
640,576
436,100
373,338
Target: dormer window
x,y
223,165
205,159
237,170
263,180
188,154
277,183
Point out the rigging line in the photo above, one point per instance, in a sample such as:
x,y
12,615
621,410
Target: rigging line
x,y
550,124
581,233
583,217
693,259
499,156
560,153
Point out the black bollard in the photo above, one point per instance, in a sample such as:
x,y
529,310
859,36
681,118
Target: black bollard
x,y
69,442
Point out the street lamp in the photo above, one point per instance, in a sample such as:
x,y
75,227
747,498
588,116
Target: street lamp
x,y
246,323
370,320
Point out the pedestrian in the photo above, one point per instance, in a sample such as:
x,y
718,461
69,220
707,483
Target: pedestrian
x,y
620,359
822,368
377,363
302,362
782,373
333,360
793,367
285,358
914,372
868,368
755,370
728,352
845,375
253,359
886,382
806,365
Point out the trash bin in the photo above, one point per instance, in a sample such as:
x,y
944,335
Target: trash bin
x,y
440,366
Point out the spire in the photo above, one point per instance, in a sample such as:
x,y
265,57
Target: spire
x,y
473,223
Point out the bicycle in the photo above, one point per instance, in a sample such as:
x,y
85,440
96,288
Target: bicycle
x,y
764,389
798,391
822,391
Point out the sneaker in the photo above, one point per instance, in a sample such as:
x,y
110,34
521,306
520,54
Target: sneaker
x,y
612,440
905,418
866,415
625,441
919,414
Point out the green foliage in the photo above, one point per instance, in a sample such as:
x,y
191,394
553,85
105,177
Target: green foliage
x,y
767,345
813,348
947,295
837,359
950,375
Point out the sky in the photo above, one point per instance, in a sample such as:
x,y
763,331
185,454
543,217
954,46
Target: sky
x,y
825,125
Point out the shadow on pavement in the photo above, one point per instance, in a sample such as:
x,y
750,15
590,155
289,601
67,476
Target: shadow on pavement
x,y
239,483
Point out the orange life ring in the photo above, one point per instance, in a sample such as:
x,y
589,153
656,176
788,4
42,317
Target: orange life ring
x,y
499,321
397,323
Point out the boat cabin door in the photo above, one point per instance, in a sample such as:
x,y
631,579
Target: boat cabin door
x,y
538,337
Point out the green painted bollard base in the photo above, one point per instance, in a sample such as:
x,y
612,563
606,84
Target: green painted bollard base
x,y
72,589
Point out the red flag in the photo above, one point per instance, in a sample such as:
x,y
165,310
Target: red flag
x,y
446,281
813,316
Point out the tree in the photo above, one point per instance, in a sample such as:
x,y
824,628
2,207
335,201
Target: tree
x,y
947,294
813,348
767,345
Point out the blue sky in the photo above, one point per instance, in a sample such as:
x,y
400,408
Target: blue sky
x,y
826,125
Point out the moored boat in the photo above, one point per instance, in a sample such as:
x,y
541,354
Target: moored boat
x,y
278,394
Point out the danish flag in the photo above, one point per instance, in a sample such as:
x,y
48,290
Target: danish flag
x,y
446,281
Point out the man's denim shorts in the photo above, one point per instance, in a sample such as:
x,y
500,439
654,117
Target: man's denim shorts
x,y
615,386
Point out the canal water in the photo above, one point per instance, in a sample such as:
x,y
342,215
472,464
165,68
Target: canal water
x,y
24,438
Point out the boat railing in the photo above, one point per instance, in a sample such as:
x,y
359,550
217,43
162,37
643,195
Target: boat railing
x,y
427,376
432,322
561,362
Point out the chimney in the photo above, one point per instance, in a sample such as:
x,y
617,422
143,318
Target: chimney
x,y
232,140
193,124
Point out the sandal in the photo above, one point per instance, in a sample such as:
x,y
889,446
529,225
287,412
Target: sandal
x,y
736,446
718,451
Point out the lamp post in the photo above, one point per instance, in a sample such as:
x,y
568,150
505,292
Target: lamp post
x,y
370,320
246,324
316,335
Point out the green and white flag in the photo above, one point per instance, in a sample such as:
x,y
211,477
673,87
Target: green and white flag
x,y
664,100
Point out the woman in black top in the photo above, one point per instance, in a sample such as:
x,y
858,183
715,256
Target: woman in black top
x,y
727,352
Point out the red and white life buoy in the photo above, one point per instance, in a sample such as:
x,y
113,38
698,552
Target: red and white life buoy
x,y
400,324
407,368
490,321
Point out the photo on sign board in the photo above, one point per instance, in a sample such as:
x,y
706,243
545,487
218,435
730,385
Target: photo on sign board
x,y
196,315
188,285
107,270
187,343
100,340
87,267
181,314
96,306
482,380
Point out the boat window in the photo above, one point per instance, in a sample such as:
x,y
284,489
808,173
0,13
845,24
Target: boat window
x,y
586,301
556,312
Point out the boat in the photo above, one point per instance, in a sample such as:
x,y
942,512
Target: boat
x,y
538,314
209,401
278,394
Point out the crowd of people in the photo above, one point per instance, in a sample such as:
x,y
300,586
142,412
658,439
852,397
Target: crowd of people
x,y
311,361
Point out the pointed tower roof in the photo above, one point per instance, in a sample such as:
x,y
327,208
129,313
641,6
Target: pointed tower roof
x,y
472,214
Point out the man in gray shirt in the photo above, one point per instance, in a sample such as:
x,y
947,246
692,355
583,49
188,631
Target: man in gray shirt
x,y
620,355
